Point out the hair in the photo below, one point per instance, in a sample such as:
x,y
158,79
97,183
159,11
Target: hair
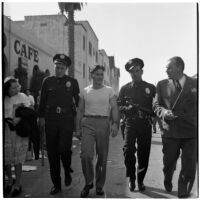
x,y
179,62
7,84
96,67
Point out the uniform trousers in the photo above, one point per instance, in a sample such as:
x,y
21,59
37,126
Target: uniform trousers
x,y
137,131
171,152
95,131
59,134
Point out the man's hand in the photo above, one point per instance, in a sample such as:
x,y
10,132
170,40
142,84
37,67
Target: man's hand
x,y
114,130
169,115
16,120
78,134
41,123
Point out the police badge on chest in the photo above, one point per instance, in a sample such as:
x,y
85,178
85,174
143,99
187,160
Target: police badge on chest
x,y
68,85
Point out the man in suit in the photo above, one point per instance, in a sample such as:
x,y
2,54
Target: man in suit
x,y
176,106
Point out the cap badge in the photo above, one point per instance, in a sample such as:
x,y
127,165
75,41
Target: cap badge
x,y
62,56
194,90
68,84
130,62
147,90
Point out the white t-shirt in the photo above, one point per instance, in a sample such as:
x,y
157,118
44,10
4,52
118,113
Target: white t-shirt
x,y
97,101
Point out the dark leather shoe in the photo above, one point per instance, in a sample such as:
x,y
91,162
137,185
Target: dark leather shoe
x,y
68,179
16,192
55,190
86,190
141,187
8,188
183,196
99,191
131,185
168,186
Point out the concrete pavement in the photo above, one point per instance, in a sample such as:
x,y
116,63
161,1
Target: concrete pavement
x,y
38,183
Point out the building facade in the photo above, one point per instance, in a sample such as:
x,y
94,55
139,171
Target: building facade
x,y
104,61
114,74
20,43
53,30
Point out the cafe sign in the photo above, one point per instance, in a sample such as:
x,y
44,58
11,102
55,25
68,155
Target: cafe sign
x,y
25,51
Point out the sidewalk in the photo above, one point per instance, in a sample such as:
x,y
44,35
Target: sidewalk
x,y
38,183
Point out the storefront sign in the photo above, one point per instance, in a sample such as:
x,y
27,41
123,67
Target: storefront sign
x,y
25,51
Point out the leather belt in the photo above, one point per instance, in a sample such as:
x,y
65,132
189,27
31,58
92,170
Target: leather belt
x,y
95,116
58,110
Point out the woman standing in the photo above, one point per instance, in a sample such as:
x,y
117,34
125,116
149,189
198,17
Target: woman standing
x,y
15,147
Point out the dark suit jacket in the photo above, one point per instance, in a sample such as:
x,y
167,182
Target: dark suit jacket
x,y
184,106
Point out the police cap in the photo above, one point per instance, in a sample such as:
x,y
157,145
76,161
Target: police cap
x,y
134,62
96,67
62,58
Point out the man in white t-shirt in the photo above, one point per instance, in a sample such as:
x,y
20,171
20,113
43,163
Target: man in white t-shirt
x,y
97,102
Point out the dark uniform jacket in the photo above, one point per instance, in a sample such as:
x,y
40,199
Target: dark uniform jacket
x,y
184,107
140,94
59,97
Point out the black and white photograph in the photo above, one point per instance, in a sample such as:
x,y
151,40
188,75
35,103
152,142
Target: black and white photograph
x,y
100,99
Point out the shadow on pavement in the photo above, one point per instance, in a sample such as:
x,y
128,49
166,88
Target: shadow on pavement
x,y
158,193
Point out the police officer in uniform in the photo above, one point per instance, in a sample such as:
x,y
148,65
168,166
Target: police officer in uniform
x,y
57,109
135,103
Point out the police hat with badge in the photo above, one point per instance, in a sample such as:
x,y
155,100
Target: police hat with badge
x,y
63,59
134,62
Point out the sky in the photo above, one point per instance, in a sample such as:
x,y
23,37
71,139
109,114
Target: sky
x,y
151,31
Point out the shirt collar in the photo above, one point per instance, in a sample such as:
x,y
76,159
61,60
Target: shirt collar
x,y
182,80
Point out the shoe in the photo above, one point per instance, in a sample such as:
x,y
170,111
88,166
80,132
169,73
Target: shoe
x,y
68,179
8,188
168,186
183,196
86,190
131,185
141,187
99,191
16,191
55,190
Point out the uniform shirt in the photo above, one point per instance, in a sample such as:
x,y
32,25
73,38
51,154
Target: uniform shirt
x,y
58,92
97,101
141,93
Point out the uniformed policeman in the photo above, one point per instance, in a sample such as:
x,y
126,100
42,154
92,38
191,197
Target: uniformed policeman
x,y
135,102
57,109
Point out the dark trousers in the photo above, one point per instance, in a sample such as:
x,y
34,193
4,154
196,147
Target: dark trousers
x,y
137,131
59,141
171,151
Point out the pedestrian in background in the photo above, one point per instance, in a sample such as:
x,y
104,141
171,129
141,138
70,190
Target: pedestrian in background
x,y
15,147
135,103
93,125
176,106
31,99
22,75
35,134
36,81
58,101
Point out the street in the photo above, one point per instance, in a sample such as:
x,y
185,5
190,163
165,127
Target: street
x,y
38,183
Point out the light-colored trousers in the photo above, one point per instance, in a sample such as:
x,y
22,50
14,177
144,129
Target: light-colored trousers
x,y
95,131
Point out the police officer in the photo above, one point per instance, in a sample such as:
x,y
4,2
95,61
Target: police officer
x,y
135,102
57,109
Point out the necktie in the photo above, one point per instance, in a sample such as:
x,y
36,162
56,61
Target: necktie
x,y
178,85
